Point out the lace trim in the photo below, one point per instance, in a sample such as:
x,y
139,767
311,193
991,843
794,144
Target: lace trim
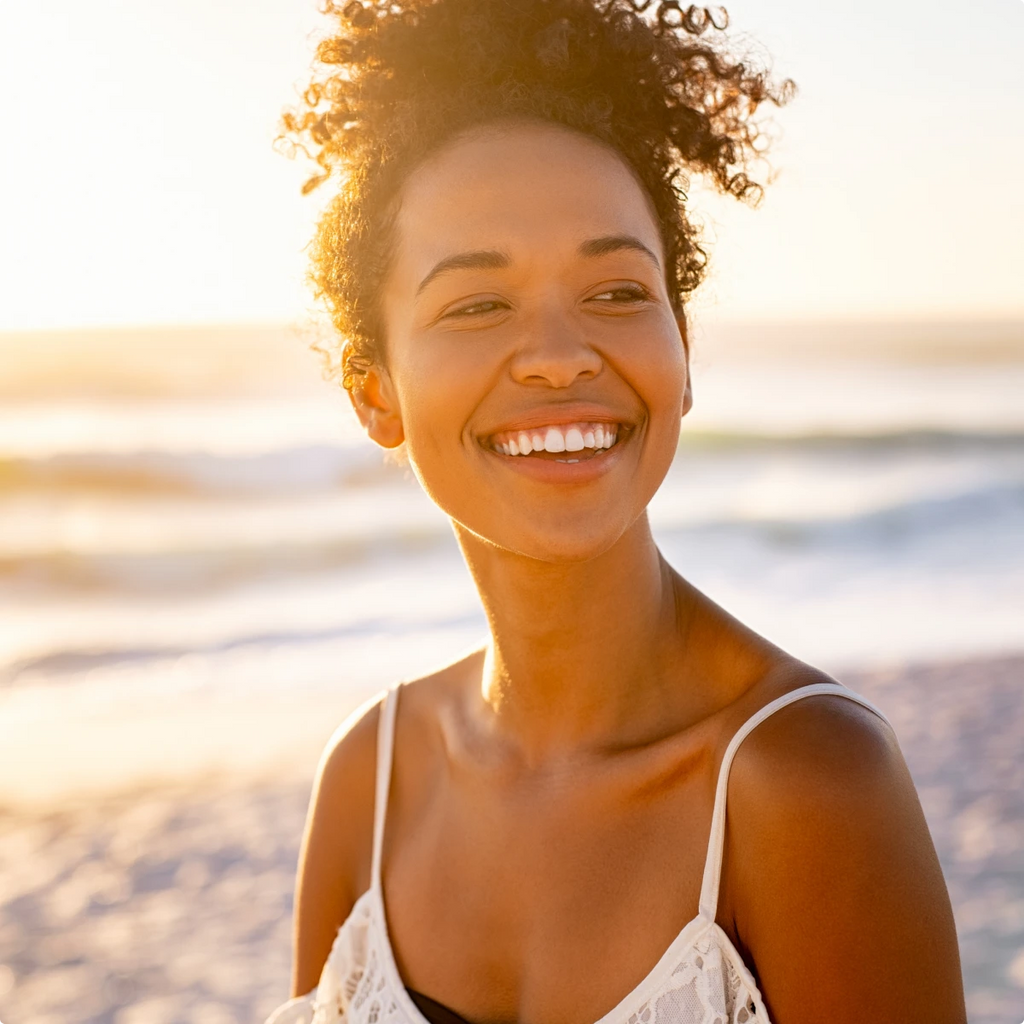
x,y
710,985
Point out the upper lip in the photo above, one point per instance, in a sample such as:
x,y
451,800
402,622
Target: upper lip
x,y
557,415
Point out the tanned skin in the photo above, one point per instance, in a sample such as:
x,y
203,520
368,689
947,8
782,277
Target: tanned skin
x,y
552,792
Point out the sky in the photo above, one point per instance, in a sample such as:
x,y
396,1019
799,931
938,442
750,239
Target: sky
x,y
139,184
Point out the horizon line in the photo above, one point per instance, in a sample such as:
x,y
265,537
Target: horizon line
x,y
313,323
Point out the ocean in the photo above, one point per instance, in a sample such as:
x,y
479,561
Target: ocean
x,y
204,567
195,511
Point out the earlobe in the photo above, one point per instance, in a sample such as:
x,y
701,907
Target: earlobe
x,y
373,399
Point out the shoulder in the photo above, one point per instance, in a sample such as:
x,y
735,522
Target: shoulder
x,y
821,747
821,770
336,843
350,755
831,873
343,789
817,785
339,827
337,846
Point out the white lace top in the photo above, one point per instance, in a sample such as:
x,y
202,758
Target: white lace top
x,y
700,978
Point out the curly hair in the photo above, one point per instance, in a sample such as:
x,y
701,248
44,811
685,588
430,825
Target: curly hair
x,y
403,77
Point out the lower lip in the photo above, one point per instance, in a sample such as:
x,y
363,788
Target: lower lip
x,y
550,471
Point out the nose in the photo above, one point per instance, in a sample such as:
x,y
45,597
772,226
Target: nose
x,y
553,351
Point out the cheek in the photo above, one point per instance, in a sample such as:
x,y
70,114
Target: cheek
x,y
671,376
439,386
657,369
659,374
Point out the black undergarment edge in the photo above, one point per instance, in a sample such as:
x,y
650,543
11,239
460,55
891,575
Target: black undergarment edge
x,y
435,1012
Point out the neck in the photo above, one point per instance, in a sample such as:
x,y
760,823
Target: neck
x,y
584,655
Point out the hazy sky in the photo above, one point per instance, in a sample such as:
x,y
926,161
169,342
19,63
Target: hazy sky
x,y
139,184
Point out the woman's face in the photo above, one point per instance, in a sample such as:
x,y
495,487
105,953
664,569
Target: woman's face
x,y
526,308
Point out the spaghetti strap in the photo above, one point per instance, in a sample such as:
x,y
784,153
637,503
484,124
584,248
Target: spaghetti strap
x,y
716,841
385,756
699,973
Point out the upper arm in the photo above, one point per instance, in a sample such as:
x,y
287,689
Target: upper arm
x,y
336,843
836,892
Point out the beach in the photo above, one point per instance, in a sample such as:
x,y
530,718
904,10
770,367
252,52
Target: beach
x,y
172,904
204,568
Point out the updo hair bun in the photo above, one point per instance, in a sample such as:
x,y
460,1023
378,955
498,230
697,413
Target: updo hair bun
x,y
652,79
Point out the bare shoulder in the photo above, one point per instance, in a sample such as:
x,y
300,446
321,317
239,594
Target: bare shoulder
x,y
343,788
835,892
821,748
337,846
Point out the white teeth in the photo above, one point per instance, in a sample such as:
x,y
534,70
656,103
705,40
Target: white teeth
x,y
573,440
563,438
554,441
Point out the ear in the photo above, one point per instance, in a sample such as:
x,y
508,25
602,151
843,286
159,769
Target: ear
x,y
684,333
373,398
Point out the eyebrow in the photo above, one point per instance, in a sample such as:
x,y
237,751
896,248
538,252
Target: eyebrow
x,y
495,259
594,247
481,259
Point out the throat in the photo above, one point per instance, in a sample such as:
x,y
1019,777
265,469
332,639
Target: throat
x,y
577,650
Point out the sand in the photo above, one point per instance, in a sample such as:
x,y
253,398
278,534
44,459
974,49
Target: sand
x,y
172,903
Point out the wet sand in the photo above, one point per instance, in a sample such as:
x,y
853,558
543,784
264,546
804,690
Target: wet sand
x,y
172,903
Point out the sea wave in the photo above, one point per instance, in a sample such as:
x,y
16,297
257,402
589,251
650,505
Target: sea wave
x,y
988,514
325,467
304,468
183,570
984,513
867,441
73,661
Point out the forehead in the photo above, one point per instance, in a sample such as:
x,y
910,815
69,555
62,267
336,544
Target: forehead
x,y
535,191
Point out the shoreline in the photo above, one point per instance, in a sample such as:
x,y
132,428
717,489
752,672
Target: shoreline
x,y
98,755
97,750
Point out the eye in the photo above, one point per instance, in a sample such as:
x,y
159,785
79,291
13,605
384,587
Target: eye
x,y
475,308
624,294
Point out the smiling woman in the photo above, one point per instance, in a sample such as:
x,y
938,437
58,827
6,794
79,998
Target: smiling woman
x,y
568,330
538,831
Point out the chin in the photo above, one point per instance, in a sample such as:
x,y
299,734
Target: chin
x,y
555,544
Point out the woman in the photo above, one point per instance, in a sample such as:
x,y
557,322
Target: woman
x,y
545,819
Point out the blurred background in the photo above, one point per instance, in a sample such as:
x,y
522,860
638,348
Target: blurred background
x,y
204,567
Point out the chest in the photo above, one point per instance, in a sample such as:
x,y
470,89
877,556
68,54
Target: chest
x,y
549,905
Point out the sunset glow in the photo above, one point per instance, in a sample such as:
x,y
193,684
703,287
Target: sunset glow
x,y
143,188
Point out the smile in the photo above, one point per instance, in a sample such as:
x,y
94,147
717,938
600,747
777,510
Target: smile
x,y
589,438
